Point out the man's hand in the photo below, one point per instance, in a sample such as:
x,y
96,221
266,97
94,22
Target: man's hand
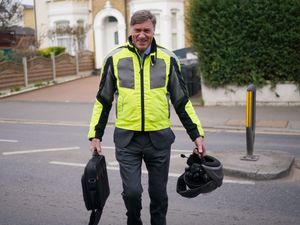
x,y
200,147
96,146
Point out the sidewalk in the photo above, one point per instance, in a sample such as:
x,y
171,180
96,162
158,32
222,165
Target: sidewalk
x,y
269,119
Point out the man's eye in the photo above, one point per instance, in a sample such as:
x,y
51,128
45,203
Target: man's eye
x,y
145,31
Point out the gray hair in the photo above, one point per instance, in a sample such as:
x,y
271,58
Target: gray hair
x,y
142,16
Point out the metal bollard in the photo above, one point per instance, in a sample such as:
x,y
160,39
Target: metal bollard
x,y
250,123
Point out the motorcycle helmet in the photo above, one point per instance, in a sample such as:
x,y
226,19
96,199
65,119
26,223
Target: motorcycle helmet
x,y
203,175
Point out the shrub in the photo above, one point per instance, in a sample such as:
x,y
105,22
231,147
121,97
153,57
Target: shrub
x,y
246,41
46,52
5,55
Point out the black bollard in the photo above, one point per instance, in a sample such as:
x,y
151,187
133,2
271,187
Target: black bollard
x,y
250,123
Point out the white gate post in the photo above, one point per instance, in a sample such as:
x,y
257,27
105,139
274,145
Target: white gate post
x,y
77,62
24,60
53,66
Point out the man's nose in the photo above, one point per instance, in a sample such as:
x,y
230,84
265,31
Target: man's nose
x,y
142,35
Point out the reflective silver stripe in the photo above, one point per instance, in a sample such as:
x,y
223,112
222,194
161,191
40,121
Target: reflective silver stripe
x,y
114,51
168,52
126,73
158,74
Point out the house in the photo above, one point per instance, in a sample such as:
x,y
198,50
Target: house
x,y
28,19
17,37
99,25
20,33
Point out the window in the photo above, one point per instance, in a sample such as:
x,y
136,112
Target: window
x,y
64,41
62,24
174,26
63,37
80,23
112,19
174,20
80,34
157,27
116,37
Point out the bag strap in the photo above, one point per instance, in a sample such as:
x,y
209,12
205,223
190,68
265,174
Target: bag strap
x,y
95,217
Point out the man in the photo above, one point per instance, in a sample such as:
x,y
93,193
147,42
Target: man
x,y
143,77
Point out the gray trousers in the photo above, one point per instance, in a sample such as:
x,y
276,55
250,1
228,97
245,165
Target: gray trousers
x,y
154,148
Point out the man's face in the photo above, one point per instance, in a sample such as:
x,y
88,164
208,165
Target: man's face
x,y
142,35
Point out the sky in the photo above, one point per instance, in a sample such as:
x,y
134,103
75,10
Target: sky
x,y
27,2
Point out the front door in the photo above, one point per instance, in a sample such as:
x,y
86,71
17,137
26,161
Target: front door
x,y
110,34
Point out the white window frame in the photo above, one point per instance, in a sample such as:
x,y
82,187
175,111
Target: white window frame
x,y
174,28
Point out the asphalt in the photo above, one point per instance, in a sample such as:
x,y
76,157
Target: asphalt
x,y
275,120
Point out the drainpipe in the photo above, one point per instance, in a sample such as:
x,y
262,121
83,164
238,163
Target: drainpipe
x,y
35,22
126,18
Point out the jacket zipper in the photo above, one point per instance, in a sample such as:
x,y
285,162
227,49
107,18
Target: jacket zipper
x,y
141,63
142,94
117,99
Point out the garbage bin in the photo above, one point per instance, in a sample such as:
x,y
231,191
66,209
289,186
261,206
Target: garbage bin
x,y
191,78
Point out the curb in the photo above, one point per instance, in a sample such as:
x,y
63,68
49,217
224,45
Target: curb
x,y
234,129
297,163
270,165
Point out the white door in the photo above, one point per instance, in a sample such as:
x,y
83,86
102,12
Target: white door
x,y
110,30
110,34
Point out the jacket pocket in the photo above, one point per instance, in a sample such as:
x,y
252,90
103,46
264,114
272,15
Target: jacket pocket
x,y
162,139
122,137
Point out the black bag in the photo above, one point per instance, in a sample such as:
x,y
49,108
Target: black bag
x,y
95,186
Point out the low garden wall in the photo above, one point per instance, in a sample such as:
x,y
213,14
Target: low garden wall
x,y
283,94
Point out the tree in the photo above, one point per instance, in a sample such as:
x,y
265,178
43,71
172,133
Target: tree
x,y
76,32
10,13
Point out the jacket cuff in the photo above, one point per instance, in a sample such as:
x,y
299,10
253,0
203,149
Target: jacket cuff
x,y
90,139
194,134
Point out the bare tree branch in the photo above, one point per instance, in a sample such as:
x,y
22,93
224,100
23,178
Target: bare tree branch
x,y
10,13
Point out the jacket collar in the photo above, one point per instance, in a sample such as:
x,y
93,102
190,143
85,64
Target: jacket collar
x,y
133,48
153,51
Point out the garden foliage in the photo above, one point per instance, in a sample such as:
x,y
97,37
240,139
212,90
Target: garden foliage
x,y
46,52
239,42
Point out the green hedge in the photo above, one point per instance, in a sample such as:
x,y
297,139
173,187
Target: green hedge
x,y
246,41
46,52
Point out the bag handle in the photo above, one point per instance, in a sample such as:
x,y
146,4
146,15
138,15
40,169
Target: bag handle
x,y
95,217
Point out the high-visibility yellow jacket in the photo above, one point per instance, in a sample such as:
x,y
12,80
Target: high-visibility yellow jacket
x,y
143,90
